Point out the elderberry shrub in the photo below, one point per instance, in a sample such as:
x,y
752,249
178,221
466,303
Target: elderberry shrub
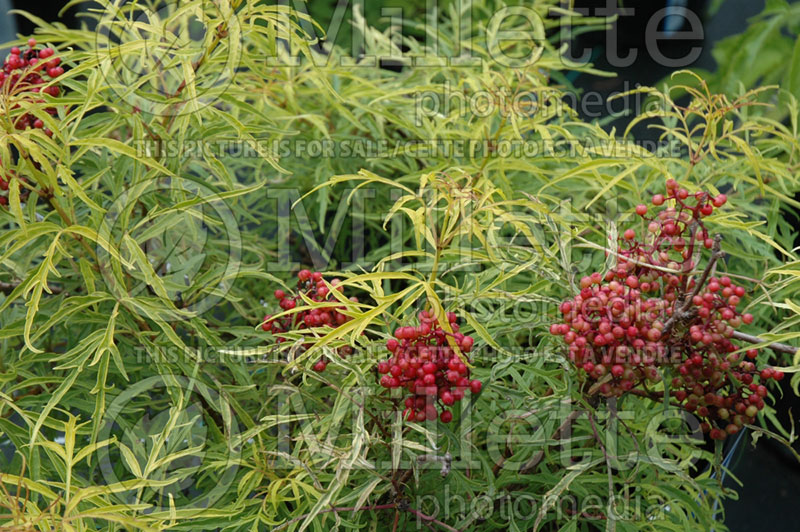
x,y
424,364
312,285
654,314
25,72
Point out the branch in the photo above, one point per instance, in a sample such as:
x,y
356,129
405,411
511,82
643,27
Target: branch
x,y
7,288
220,32
684,311
556,436
612,525
687,303
338,509
390,506
432,520
777,347
655,396
446,461
36,390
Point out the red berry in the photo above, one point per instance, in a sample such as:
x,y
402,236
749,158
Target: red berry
x,y
446,416
641,209
431,412
658,199
475,386
466,344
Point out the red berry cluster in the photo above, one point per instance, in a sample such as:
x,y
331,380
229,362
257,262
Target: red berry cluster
x,y
314,288
424,363
654,311
23,72
5,180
